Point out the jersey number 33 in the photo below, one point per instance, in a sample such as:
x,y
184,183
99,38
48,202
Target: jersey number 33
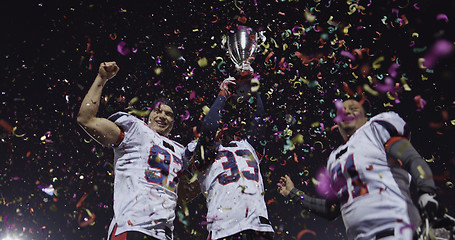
x,y
229,161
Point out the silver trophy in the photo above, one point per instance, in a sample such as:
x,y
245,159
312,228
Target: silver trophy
x,y
242,46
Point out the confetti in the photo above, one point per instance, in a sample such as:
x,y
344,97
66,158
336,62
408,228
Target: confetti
x,y
439,50
313,53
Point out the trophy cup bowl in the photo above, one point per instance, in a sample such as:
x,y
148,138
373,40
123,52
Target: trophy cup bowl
x,y
242,46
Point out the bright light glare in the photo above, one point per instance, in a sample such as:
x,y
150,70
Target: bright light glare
x,y
49,190
243,40
11,238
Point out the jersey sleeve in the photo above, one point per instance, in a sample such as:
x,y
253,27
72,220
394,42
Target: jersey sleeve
x,y
188,155
387,125
126,122
320,206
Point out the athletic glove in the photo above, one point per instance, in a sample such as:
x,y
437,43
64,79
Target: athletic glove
x,y
429,205
227,87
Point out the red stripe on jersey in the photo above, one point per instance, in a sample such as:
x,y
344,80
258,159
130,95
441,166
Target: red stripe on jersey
x,y
120,138
121,236
392,140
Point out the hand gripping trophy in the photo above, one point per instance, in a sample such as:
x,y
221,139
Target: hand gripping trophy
x,y
242,46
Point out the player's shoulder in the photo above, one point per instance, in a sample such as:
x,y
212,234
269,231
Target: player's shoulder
x,y
244,143
122,116
167,142
125,120
387,116
392,122
192,145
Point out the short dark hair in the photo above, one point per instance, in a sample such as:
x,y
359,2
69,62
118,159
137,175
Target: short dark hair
x,y
165,101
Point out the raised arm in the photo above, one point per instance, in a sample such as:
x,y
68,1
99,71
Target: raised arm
x,y
256,128
101,130
205,151
319,206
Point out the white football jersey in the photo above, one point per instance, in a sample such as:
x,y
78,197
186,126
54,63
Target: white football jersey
x,y
146,165
233,188
370,191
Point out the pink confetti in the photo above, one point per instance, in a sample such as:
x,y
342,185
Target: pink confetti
x,y
324,184
393,70
406,226
442,16
395,11
440,49
420,102
186,116
348,55
122,49
387,87
192,95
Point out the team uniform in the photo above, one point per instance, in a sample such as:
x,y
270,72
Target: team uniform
x,y
146,168
234,189
230,177
374,195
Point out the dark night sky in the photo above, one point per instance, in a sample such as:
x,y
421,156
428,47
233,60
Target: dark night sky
x,y
315,52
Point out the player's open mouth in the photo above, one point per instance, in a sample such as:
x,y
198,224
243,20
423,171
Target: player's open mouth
x,y
161,124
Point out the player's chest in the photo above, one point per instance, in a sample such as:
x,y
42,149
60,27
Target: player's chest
x,y
232,164
352,158
237,153
150,140
163,162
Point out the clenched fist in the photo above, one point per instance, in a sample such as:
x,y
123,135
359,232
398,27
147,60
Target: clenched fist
x,y
108,70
